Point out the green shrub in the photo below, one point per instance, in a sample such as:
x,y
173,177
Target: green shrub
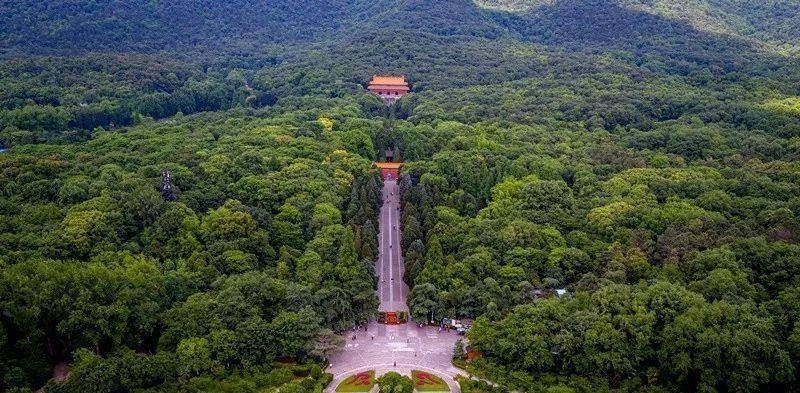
x,y
302,370
316,371
326,379
402,317
393,382
278,377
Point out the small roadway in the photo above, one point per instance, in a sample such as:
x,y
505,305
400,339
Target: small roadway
x,y
400,348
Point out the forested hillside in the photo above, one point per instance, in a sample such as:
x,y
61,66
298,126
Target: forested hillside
x,y
157,59
643,156
139,25
771,22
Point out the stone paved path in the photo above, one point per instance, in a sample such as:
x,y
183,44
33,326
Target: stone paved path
x,y
392,290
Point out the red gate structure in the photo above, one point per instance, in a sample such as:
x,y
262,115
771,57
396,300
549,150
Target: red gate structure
x,y
389,170
391,318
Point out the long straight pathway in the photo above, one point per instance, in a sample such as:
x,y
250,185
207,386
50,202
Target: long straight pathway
x,y
400,348
392,290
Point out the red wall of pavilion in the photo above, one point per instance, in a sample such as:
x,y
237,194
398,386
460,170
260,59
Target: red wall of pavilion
x,y
386,172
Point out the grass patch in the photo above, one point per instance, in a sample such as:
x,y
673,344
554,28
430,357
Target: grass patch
x,y
361,382
427,382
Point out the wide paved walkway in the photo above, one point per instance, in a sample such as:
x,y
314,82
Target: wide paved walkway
x,y
400,348
392,290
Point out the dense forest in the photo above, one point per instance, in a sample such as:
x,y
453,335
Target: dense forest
x,y
644,156
261,249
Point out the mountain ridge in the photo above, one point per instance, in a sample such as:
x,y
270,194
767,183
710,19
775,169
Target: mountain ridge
x,y
72,27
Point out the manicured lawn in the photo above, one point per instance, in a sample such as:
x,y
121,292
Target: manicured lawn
x,y
427,382
361,382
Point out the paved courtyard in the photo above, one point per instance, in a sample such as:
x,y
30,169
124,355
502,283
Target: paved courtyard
x,y
408,346
400,348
